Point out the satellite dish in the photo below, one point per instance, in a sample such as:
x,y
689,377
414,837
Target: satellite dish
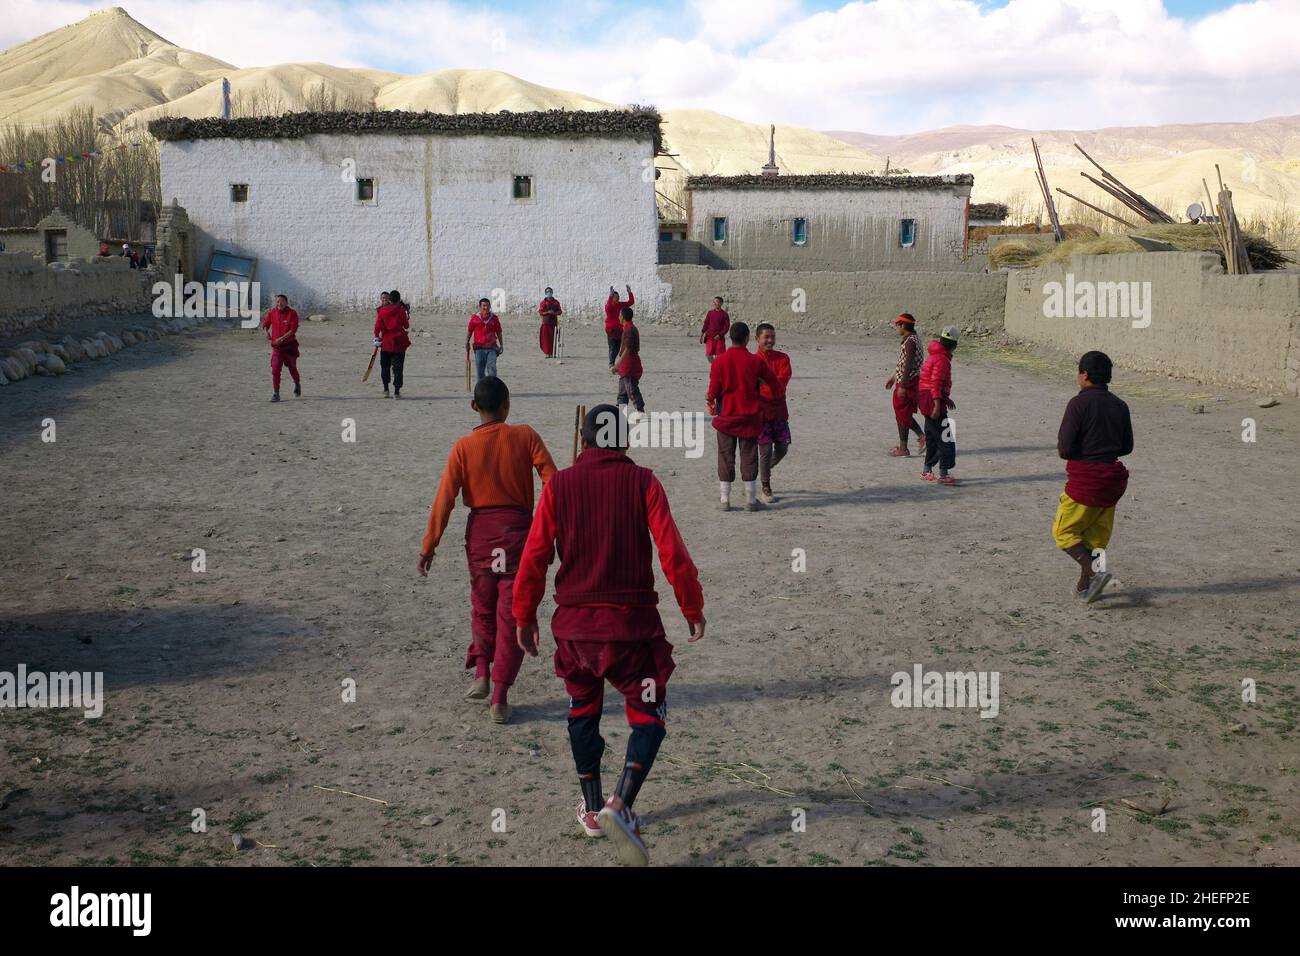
x,y
1195,211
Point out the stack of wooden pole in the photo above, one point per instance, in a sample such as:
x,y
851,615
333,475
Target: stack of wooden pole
x,y
1041,176
1228,230
1125,196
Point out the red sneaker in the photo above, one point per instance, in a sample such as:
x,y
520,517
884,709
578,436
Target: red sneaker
x,y
946,480
587,820
624,829
928,476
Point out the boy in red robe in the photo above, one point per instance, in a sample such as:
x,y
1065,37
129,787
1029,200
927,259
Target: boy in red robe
x,y
713,334
491,468
774,413
600,515
734,402
613,327
281,325
550,311
1095,433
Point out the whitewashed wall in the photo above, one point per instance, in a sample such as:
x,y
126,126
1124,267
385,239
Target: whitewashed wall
x,y
444,229
849,230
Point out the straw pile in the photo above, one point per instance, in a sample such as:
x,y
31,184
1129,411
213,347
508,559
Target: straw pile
x,y
1184,237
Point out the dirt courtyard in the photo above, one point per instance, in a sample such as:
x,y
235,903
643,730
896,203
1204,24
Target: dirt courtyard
x,y
223,689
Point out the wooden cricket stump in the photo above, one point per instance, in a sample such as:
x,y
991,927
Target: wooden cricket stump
x,y
579,414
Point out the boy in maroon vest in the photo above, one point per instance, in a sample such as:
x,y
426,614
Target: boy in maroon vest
x,y
600,514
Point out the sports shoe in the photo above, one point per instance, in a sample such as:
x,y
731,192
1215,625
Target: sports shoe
x,y
478,691
724,505
624,831
385,391
755,505
946,480
897,452
766,496
297,390
1096,586
587,819
928,476
275,396
501,713
396,394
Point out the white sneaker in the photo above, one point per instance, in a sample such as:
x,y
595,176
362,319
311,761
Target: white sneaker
x,y
623,829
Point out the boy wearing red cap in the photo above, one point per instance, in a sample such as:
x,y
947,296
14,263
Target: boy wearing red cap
x,y
904,382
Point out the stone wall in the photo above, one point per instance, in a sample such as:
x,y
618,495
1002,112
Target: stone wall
x,y
838,300
34,294
1236,331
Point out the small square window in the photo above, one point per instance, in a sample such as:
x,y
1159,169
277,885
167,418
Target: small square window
x,y
907,233
239,192
799,232
365,190
523,187
719,228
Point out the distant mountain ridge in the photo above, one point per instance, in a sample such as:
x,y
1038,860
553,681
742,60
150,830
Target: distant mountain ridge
x,y
129,75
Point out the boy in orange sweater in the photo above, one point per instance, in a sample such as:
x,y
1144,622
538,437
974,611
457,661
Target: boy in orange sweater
x,y
491,468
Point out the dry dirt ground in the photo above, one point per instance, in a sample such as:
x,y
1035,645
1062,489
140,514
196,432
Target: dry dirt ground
x,y
224,687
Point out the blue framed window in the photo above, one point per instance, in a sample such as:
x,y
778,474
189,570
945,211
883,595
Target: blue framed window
x,y
799,232
907,233
719,228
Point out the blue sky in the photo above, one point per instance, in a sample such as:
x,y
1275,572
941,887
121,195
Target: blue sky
x,y
884,66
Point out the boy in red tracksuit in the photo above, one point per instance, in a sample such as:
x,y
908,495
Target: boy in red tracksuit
x,y
774,413
600,515
613,327
713,334
281,325
628,366
492,469
933,399
550,311
733,400
392,320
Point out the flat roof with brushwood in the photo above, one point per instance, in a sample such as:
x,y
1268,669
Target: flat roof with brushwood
x,y
638,122
988,210
829,181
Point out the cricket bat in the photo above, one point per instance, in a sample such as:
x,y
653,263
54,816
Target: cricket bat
x,y
371,366
467,388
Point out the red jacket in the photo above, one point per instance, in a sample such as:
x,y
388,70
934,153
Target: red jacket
x,y
612,308
597,514
734,379
484,331
391,323
935,384
772,401
281,323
